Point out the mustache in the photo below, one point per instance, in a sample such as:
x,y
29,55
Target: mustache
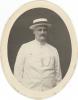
x,y
43,35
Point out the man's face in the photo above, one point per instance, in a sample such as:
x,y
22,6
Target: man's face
x,y
40,33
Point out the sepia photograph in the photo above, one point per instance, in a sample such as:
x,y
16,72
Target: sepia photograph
x,y
39,49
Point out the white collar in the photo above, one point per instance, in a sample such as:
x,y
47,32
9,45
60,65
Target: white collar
x,y
38,43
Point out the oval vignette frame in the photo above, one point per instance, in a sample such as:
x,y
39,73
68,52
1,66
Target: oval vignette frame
x,y
10,77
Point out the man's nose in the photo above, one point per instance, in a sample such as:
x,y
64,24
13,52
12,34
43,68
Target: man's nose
x,y
42,31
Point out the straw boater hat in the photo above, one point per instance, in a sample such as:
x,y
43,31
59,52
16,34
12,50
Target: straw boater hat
x,y
40,22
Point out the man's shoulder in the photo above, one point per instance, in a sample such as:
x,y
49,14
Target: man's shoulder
x,y
52,48
28,44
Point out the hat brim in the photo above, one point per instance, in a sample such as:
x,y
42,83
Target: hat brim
x,y
39,24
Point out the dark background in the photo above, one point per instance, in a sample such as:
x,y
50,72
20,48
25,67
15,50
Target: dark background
x,y
58,36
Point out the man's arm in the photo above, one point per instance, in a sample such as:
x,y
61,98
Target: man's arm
x,y
58,73
19,64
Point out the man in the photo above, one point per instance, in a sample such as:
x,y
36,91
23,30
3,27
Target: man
x,y
37,64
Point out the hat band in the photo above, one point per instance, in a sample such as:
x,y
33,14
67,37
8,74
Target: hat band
x,y
40,22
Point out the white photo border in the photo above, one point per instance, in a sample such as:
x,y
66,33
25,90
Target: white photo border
x,y
4,56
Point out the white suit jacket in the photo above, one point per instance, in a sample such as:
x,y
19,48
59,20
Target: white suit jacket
x,y
37,66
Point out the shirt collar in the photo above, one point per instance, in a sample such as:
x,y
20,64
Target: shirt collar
x,y
38,43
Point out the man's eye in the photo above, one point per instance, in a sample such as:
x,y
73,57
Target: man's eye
x,y
39,30
45,29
